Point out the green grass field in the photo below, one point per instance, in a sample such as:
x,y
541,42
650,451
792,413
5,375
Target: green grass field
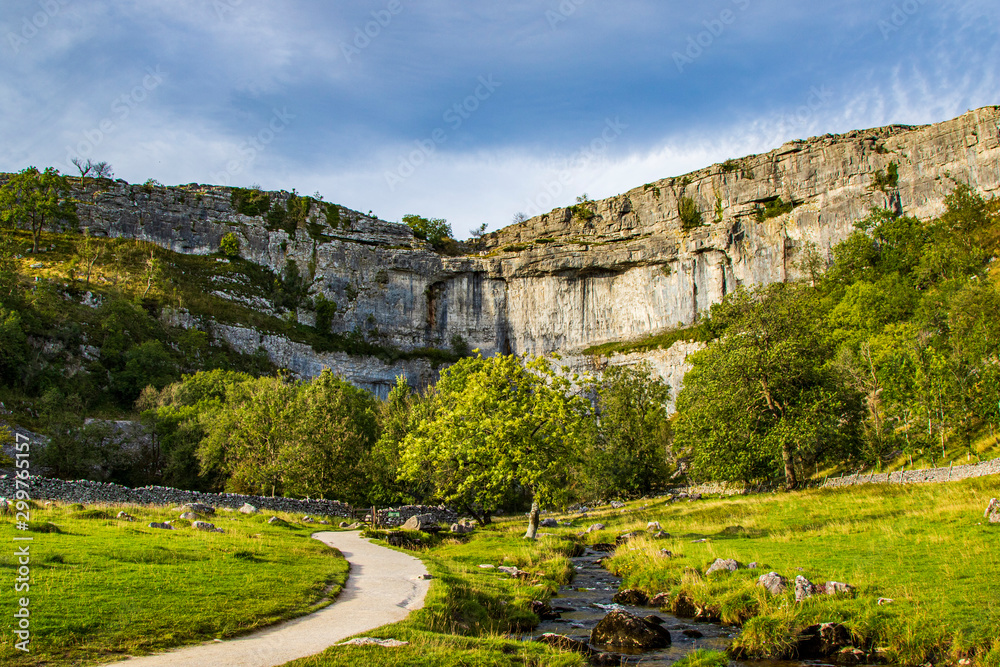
x,y
102,588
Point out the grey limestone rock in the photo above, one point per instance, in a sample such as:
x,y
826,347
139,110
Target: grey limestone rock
x,y
773,582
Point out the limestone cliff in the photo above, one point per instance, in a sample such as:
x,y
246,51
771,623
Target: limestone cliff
x,y
572,278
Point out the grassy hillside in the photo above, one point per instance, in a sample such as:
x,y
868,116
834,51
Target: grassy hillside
x,y
102,588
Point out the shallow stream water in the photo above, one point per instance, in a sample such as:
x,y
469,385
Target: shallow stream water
x,y
587,599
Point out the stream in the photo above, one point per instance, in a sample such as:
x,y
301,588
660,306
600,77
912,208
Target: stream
x,y
587,599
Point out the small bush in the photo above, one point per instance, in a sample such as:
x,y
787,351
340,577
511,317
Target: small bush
x,y
230,246
773,209
690,215
250,201
703,658
886,180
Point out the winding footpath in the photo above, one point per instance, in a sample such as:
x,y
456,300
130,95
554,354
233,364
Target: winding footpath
x,y
383,586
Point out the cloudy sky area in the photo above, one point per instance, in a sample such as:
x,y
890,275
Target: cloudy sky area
x,y
464,109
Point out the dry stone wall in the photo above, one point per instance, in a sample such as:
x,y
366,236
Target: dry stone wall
x,y
950,474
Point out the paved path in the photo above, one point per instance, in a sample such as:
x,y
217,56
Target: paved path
x,y
383,587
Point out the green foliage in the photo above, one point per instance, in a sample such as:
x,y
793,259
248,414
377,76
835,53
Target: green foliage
x,y
497,425
460,346
325,310
253,202
291,216
13,346
719,211
651,187
629,453
273,437
583,210
730,166
35,201
886,180
229,246
290,290
773,208
691,217
435,231
763,399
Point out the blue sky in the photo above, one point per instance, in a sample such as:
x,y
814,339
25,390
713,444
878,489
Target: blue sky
x,y
470,111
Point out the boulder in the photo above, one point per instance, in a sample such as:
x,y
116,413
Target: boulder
x,y
617,504
632,597
248,509
344,524
544,611
199,508
189,516
307,519
773,582
419,522
993,511
125,516
280,522
753,566
628,537
654,619
822,640
660,600
653,526
548,523
666,553
692,633
683,606
723,565
803,588
157,524
620,628
595,527
206,526
837,588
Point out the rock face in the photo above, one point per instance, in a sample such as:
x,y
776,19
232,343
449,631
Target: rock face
x,y
723,565
556,282
622,629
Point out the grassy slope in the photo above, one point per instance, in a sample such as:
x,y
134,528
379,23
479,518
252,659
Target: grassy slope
x,y
924,546
103,588
472,616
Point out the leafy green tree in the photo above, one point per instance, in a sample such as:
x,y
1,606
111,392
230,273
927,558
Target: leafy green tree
x,y
630,454
34,200
13,347
498,425
11,291
764,398
229,246
435,231
147,364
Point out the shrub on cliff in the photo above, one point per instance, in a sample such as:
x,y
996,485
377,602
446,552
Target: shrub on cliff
x,y
435,231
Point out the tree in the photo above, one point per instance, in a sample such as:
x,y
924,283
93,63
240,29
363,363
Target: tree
x,y
435,231
398,416
764,397
89,250
10,280
497,426
630,451
229,246
98,169
33,200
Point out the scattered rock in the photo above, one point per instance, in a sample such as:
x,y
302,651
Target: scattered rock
x,y
627,537
694,496
882,601
620,628
853,656
278,521
595,527
654,619
461,528
343,524
544,611
157,524
699,541
660,600
199,508
803,588
666,553
512,570
249,509
125,516
753,566
487,566
206,526
617,504
693,634
993,511
425,576
773,582
419,522
660,535
355,525
564,643
683,607
822,640
323,522
189,516
723,565
632,597
307,519
653,526
371,641
835,588
548,523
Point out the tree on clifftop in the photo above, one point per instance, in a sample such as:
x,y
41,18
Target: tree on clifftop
x,y
32,200
498,425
